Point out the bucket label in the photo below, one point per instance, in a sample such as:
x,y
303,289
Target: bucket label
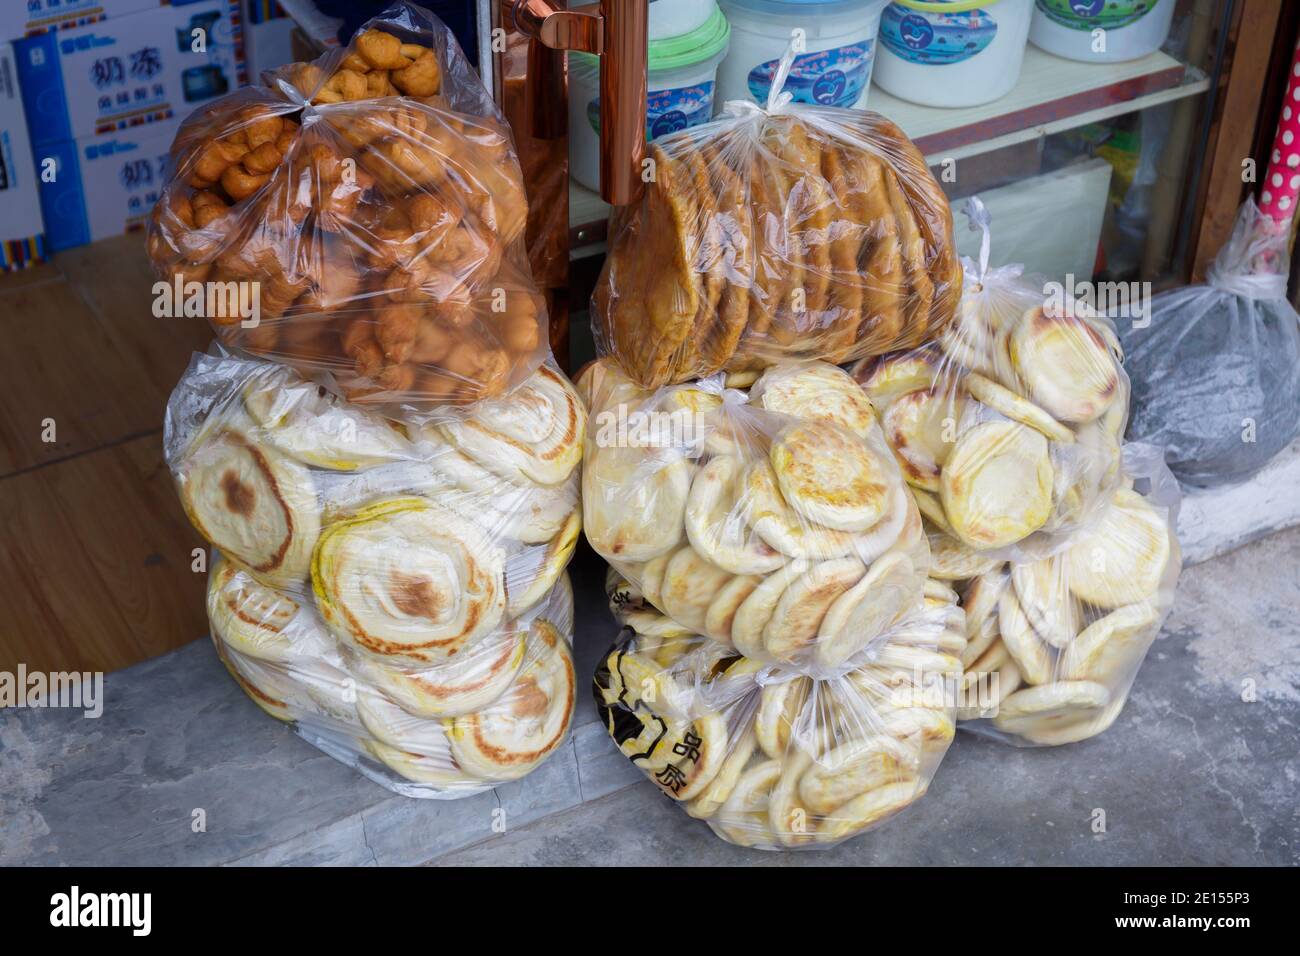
x,y
668,111
936,39
828,78
1093,14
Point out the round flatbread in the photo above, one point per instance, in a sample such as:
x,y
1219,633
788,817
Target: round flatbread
x,y
815,391
532,435
722,612
1051,708
408,581
996,486
520,729
754,613
1065,364
716,521
862,612
921,428
1034,661
830,476
798,615
1109,650
690,584
1122,560
256,506
1008,403
634,501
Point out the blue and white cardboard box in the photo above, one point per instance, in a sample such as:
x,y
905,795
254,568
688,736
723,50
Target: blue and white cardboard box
x,y
20,18
22,242
102,185
149,68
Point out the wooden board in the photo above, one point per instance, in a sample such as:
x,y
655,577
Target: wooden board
x,y
95,562
95,551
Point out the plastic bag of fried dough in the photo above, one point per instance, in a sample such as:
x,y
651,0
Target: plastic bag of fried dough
x,y
359,218
423,562
768,756
773,520
1055,643
1007,427
795,231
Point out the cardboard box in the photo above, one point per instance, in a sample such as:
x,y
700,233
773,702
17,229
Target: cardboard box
x,y
104,185
20,18
131,71
21,239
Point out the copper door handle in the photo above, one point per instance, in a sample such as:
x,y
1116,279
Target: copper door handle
x,y
614,30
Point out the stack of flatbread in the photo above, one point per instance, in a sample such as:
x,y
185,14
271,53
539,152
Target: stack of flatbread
x,y
772,238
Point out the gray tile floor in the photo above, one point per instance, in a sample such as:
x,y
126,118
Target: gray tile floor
x,y
1190,773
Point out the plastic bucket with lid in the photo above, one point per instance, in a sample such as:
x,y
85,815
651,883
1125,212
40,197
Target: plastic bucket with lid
x,y
952,52
1101,31
680,77
838,42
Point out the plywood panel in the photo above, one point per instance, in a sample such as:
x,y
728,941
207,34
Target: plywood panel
x,y
95,562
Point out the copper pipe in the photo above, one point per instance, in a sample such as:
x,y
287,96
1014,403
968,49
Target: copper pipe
x,y
623,100
614,30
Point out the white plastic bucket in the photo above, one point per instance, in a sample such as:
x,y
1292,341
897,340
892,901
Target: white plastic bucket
x,y
680,81
839,49
952,53
1101,31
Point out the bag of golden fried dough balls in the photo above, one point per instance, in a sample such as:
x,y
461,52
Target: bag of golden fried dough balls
x,y
794,231
767,755
396,588
359,218
1055,643
772,519
1007,427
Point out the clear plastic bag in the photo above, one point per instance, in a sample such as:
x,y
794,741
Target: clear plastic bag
x,y
1055,643
772,520
1008,426
798,231
1216,370
361,219
443,731
766,755
424,556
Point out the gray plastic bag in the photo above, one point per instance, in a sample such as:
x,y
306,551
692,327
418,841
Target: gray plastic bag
x,y
1216,372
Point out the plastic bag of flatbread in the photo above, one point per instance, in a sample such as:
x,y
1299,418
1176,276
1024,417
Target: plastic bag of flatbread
x,y
791,231
361,219
420,551
1008,426
1055,643
1216,368
488,715
771,518
768,756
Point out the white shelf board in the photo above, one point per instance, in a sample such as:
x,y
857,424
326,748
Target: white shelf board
x,y
1053,94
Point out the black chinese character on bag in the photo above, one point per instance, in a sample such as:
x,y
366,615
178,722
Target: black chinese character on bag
x,y
689,747
146,63
107,71
671,778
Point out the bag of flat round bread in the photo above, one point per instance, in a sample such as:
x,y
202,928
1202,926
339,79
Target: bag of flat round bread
x,y
359,218
1055,643
422,562
768,756
773,520
795,231
1007,427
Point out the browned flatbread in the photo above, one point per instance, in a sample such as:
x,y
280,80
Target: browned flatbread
x,y
810,205
706,261
882,265
772,270
847,233
934,219
735,261
916,308
648,293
